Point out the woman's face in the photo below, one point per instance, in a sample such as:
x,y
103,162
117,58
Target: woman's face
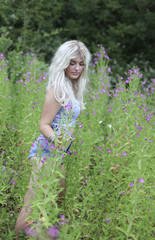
x,y
75,68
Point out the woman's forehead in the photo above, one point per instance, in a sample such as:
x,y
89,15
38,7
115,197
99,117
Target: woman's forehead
x,y
77,59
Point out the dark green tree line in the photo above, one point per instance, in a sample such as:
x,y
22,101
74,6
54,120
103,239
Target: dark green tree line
x,y
126,28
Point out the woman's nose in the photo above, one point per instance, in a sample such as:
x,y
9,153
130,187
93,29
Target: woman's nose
x,y
77,67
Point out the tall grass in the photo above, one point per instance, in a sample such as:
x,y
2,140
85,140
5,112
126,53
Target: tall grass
x,y
109,171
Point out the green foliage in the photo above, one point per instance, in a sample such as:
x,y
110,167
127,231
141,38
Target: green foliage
x,y
109,173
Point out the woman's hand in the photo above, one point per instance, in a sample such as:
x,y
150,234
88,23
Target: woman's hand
x,y
62,142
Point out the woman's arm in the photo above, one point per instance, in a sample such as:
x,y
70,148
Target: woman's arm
x,y
50,109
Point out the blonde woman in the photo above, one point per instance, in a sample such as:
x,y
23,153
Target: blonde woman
x,y
65,88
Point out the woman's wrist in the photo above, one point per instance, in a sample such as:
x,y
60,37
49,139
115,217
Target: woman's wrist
x,y
51,138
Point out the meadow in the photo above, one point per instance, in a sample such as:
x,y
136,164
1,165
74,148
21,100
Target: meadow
x,y
109,169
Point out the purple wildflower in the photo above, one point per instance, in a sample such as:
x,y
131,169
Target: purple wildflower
x,y
109,150
31,232
53,232
61,223
141,180
125,153
68,106
131,184
62,216
108,221
13,182
148,118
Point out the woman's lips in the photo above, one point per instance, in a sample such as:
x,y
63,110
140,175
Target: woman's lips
x,y
75,73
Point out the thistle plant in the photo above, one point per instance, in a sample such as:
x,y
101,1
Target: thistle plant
x,y
109,168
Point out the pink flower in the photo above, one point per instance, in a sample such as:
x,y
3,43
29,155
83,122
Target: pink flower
x,y
141,180
53,232
68,106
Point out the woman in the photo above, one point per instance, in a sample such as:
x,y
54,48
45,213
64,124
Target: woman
x,y
65,88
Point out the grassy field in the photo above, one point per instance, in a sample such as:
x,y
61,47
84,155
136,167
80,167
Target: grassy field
x,y
109,171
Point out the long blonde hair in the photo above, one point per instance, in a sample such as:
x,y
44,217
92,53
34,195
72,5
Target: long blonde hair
x,y
64,90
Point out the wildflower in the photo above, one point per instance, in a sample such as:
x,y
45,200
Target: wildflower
x,y
109,125
52,146
137,134
139,128
99,148
75,153
13,182
151,140
61,223
109,150
141,180
108,221
68,106
145,139
149,210
85,181
31,232
131,184
53,232
82,142
42,219
148,118
62,216
122,193
125,154
81,126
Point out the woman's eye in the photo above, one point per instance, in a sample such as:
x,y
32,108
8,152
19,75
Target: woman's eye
x,y
72,64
